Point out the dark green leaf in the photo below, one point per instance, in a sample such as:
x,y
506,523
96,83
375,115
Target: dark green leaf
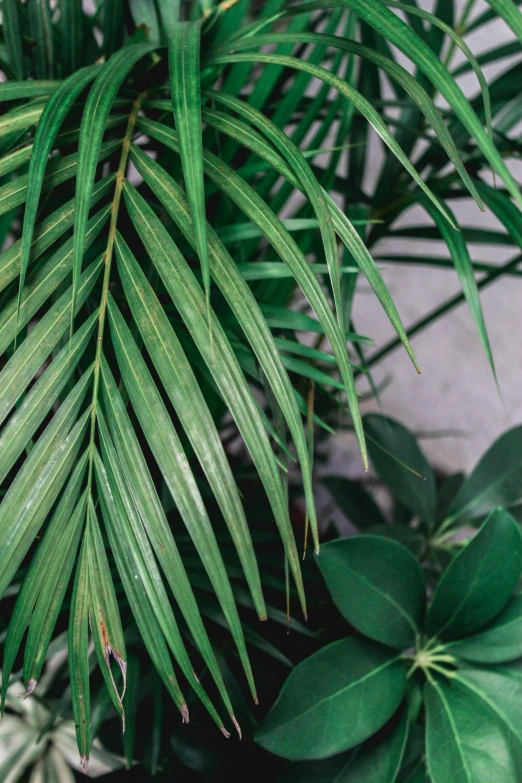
x,y
356,503
377,585
499,641
495,481
400,463
455,722
480,580
314,715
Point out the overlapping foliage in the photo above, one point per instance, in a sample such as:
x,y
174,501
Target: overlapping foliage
x,y
148,154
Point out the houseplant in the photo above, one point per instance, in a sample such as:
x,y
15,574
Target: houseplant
x,y
153,148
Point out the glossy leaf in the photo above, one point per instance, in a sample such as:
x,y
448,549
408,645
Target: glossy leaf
x,y
473,590
377,585
499,641
454,722
495,481
313,716
402,466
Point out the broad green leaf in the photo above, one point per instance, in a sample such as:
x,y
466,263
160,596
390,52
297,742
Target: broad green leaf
x,y
25,363
463,744
378,586
499,641
104,616
474,589
50,599
314,715
152,515
30,414
172,461
356,503
377,763
413,539
37,572
79,658
184,68
31,495
185,394
219,357
380,762
500,694
94,117
495,481
401,465
53,115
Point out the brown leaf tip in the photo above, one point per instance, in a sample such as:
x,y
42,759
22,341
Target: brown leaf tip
x,y
31,685
224,732
184,713
238,727
85,763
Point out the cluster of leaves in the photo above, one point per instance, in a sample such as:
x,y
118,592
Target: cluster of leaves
x,y
442,680
133,335
415,695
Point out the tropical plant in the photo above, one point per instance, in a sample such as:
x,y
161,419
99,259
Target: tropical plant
x,y
432,660
462,648
165,159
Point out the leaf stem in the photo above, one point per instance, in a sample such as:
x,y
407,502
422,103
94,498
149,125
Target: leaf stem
x,y
116,200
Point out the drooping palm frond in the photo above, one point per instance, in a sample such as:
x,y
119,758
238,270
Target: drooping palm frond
x,y
142,302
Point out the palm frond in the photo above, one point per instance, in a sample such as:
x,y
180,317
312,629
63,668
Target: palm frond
x,y
175,198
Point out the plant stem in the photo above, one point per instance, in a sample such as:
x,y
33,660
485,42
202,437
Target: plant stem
x,y
116,200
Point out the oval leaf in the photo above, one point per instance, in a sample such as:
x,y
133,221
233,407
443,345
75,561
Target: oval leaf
x,y
314,715
399,462
378,585
495,481
479,581
463,743
500,641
